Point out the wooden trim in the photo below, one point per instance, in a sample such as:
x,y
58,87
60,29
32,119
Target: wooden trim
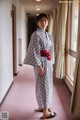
x,y
14,47
69,83
66,50
72,53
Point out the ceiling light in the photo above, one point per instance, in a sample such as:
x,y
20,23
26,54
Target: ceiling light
x,y
38,9
37,6
37,14
38,0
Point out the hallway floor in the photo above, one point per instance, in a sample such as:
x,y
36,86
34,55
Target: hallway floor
x,y
21,102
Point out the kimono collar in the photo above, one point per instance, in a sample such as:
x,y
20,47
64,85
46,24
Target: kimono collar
x,y
41,30
44,33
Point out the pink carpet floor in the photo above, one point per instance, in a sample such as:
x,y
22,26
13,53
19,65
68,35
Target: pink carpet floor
x,y
21,102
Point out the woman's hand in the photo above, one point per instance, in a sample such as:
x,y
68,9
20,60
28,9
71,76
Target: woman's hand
x,y
40,70
54,68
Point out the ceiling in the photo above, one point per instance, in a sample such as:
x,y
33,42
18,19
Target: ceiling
x,y
46,6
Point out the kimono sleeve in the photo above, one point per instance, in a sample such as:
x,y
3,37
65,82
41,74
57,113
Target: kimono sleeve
x,y
33,53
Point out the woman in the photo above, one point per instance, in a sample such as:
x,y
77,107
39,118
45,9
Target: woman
x,y
40,55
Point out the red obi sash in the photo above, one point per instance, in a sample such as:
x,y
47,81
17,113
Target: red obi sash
x,y
45,53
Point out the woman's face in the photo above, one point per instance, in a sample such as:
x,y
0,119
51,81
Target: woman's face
x,y
43,23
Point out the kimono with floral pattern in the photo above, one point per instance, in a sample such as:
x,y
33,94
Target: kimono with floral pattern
x,y
42,40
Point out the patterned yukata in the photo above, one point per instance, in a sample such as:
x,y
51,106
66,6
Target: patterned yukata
x,y
42,40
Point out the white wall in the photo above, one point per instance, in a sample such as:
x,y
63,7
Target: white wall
x,y
6,54
6,71
23,34
21,31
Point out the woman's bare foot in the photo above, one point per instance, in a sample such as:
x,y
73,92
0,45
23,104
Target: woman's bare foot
x,y
47,114
41,109
50,115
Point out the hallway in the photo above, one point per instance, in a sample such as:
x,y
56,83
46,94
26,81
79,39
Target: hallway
x,y
21,103
17,23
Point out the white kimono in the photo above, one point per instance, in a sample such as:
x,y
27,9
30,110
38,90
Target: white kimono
x,y
41,40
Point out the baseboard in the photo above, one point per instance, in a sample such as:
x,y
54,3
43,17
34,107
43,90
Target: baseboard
x,y
6,94
20,64
15,74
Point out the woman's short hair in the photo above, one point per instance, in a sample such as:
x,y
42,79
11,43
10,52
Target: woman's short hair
x,y
41,15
